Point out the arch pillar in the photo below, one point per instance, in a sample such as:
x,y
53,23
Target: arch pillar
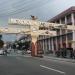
x,y
35,47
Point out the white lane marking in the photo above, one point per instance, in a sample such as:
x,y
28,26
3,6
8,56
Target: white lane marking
x,y
53,69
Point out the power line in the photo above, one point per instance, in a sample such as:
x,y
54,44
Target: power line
x,y
20,5
6,2
23,9
13,3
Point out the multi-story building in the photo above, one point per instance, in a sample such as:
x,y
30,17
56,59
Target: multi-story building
x,y
64,38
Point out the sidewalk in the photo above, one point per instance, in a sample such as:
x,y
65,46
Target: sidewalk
x,y
53,57
47,56
12,53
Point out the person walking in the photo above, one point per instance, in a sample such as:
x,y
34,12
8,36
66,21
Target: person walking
x,y
74,54
6,52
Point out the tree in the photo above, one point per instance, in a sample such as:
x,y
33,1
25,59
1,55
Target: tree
x,y
0,37
27,45
1,42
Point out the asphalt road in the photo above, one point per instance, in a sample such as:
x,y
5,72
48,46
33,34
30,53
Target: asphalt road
x,y
20,65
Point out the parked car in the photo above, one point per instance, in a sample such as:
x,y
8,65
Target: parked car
x,y
8,50
19,51
28,51
1,52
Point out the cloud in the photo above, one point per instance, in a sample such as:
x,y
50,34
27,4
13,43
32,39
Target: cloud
x,y
43,9
24,8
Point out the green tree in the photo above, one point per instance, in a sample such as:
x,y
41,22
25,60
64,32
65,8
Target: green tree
x,y
1,42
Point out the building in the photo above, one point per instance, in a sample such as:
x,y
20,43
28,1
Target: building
x,y
64,38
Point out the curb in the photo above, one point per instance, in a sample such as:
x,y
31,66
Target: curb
x,y
61,59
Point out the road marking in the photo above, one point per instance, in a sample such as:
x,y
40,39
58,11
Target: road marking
x,y
53,69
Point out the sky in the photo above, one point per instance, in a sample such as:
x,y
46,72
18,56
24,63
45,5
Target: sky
x,y
43,9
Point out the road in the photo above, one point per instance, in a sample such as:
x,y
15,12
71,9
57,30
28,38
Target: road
x,y
21,65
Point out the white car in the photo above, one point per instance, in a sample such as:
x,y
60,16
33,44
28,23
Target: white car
x,y
19,52
1,52
8,50
28,51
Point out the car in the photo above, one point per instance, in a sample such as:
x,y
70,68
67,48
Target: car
x,y
8,50
28,51
19,51
1,52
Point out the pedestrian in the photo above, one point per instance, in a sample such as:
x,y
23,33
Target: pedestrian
x,y
74,54
71,53
6,52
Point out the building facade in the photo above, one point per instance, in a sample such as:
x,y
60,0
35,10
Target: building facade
x,y
64,38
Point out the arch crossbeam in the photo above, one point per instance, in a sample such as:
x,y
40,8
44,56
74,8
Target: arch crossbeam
x,y
39,24
37,28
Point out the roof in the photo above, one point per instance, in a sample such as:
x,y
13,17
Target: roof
x,y
62,14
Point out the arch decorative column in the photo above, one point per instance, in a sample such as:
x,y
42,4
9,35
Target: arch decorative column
x,y
34,46
33,27
36,49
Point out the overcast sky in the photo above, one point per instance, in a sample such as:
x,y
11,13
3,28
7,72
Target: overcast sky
x,y
43,9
